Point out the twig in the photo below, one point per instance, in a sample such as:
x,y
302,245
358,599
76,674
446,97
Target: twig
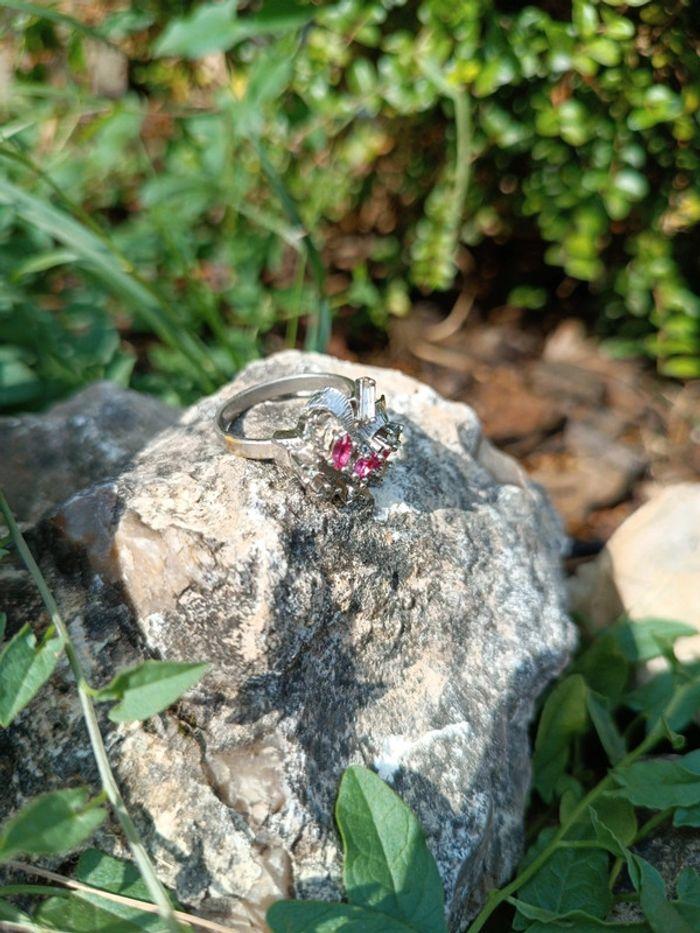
x,y
109,784
454,320
117,898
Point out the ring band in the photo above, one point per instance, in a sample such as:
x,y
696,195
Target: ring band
x,y
343,439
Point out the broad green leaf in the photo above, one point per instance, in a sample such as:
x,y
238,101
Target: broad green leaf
x,y
149,688
73,914
216,27
618,816
564,716
660,783
211,27
577,921
3,620
24,669
605,726
605,667
687,816
51,824
569,791
84,912
662,915
572,879
387,866
688,891
321,917
645,639
682,690
606,837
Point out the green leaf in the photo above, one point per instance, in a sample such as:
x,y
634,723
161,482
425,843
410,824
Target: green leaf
x,y
3,623
688,887
659,105
215,27
605,726
618,817
605,667
652,699
388,866
70,913
149,688
51,823
211,27
606,837
85,912
649,638
564,716
322,917
660,783
572,879
687,816
24,669
13,914
577,921
659,911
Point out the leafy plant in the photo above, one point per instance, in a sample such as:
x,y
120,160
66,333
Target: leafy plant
x,y
391,879
182,228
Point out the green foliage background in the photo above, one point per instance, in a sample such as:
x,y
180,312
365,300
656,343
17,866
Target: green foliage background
x,y
557,145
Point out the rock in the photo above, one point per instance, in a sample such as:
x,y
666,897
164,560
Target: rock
x,y
649,568
414,637
598,471
94,435
512,414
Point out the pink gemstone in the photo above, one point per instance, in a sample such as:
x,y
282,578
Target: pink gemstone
x,y
341,452
366,465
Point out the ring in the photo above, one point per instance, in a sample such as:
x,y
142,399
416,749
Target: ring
x,y
343,440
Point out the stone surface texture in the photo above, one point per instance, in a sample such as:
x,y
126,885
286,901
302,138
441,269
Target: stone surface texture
x,y
413,637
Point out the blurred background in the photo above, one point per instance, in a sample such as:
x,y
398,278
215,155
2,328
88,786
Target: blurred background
x,y
503,200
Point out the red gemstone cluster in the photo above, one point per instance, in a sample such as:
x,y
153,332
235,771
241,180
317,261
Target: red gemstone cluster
x,y
341,454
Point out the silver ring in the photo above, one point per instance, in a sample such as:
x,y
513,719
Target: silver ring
x,y
343,440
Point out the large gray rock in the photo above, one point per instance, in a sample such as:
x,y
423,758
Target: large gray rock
x,y
414,637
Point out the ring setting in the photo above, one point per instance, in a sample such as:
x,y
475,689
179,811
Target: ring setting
x,y
343,441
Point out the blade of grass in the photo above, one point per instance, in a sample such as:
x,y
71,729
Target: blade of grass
x,y
319,331
55,16
113,271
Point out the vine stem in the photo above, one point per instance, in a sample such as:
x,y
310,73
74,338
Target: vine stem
x,y
109,784
496,898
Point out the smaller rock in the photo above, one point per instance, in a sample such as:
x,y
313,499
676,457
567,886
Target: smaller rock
x,y
564,380
91,437
597,471
650,567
